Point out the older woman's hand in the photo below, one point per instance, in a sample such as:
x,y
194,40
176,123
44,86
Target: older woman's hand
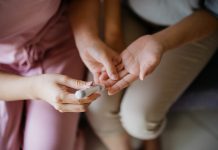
x,y
139,59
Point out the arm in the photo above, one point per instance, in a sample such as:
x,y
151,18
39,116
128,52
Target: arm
x,y
55,89
113,34
14,87
84,18
143,55
194,27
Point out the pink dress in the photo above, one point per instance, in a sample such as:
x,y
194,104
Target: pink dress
x,y
35,38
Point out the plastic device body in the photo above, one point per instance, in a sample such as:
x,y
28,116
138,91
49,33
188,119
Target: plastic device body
x,y
86,92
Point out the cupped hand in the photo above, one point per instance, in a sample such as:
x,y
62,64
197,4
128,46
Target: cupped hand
x,y
58,90
139,60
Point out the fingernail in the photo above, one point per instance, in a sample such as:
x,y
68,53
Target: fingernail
x,y
111,91
114,77
142,77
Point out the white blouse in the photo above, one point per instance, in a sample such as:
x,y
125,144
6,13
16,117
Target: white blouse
x,y
163,12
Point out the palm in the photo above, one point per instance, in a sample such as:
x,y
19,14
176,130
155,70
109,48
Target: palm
x,y
130,62
139,60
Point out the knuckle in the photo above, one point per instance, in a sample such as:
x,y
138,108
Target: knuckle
x,y
64,78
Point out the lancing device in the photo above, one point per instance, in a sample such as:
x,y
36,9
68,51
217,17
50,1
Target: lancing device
x,y
86,92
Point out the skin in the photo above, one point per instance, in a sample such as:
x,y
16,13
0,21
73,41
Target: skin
x,y
113,34
113,38
142,56
94,52
54,89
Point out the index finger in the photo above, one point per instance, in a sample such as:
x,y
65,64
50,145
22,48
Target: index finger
x,y
121,84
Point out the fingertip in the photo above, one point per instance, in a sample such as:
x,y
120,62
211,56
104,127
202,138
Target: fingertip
x,y
143,73
111,91
141,77
114,76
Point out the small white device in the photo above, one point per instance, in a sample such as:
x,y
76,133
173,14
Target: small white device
x,y
86,92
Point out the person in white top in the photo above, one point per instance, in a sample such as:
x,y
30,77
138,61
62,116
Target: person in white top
x,y
166,62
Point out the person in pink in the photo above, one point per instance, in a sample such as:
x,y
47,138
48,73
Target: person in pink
x,y
38,61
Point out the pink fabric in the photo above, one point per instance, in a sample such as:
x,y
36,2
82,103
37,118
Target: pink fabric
x,y
35,38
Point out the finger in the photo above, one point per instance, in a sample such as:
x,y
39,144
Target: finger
x,y
121,84
96,77
89,99
120,67
117,60
108,83
110,68
71,107
75,84
71,99
143,71
103,76
123,73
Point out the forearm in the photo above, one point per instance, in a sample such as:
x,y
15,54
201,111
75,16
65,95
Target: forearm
x,y
84,18
14,87
112,18
194,27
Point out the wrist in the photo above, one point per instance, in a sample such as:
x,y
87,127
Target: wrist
x,y
86,41
157,42
30,87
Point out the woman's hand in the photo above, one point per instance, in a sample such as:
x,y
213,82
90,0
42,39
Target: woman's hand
x,y
99,57
142,56
85,26
58,91
139,59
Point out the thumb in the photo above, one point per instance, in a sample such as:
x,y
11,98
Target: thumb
x,y
110,68
143,71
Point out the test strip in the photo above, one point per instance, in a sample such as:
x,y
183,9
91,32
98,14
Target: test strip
x,y
86,92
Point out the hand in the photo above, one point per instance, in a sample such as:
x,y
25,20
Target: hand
x,y
99,57
115,40
139,59
58,90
